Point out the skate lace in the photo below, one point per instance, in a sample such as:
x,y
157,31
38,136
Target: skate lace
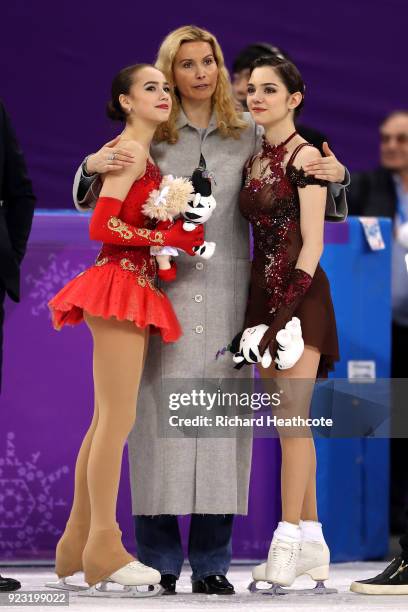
x,y
285,553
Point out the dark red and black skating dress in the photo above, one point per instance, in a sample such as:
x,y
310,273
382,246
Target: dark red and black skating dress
x,y
270,202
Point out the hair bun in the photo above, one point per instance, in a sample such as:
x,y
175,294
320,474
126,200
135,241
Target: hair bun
x,y
113,113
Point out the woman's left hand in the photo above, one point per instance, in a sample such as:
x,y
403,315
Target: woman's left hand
x,y
327,168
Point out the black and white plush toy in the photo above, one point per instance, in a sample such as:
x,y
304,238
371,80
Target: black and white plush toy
x,y
200,209
245,346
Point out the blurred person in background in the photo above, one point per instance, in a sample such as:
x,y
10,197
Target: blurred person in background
x,y
383,192
16,215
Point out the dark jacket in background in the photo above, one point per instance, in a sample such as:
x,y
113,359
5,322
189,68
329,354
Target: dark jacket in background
x,y
16,207
313,136
372,194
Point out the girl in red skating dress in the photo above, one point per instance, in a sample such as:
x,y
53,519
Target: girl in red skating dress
x,y
121,284
120,303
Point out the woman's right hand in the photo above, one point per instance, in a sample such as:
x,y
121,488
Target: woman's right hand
x,y
177,237
102,162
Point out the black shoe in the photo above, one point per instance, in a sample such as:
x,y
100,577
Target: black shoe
x,y
213,585
9,584
392,581
168,582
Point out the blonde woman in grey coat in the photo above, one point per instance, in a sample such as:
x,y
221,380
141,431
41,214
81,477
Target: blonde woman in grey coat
x,y
205,477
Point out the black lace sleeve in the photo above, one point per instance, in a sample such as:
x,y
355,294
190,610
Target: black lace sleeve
x,y
298,177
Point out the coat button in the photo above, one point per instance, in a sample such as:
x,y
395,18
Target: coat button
x,y
198,298
199,329
199,265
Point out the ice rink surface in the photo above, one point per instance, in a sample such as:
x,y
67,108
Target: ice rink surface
x,y
340,578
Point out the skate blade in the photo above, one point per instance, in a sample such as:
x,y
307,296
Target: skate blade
x,y
63,585
277,590
130,592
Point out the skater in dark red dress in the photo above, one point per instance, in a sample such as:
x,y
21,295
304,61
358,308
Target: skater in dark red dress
x,y
286,208
121,304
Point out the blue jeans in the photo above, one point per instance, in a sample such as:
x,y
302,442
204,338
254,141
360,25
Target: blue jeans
x,y
209,545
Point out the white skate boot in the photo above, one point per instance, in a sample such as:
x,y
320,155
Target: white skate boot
x,y
313,560
280,567
133,575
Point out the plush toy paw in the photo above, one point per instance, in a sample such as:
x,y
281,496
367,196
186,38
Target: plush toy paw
x,y
246,347
205,250
290,345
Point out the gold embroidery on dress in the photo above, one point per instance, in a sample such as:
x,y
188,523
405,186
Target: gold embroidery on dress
x,y
153,236
142,277
126,264
101,262
159,237
117,225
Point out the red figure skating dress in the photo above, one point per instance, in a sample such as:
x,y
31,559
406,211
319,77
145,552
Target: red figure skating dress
x,y
270,201
121,283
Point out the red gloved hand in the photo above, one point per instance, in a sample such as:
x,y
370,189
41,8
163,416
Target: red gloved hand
x,y
300,282
177,237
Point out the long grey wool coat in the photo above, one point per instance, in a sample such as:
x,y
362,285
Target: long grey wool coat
x,y
197,474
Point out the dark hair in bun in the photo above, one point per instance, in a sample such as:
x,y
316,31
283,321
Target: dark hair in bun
x,y
121,84
287,71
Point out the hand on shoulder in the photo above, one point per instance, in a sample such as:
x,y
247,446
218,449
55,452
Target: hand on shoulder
x,y
117,184
139,156
327,168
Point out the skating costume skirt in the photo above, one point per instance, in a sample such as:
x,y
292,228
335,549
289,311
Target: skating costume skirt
x,y
316,314
121,284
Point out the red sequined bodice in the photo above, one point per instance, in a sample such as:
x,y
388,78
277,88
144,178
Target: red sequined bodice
x,y
270,202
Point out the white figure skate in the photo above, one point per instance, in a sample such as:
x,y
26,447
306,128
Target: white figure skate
x,y
133,575
313,560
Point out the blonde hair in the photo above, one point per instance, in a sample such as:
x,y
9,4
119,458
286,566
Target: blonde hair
x,y
229,120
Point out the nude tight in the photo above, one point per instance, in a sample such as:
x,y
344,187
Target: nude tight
x,y
91,540
298,471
